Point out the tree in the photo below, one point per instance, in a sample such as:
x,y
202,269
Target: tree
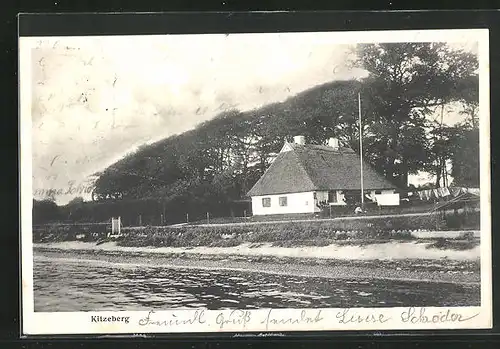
x,y
77,201
45,211
441,149
465,158
406,82
219,160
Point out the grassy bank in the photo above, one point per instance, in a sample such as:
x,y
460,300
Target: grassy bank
x,y
291,234
286,235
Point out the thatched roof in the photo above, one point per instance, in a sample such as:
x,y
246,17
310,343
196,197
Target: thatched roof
x,y
314,167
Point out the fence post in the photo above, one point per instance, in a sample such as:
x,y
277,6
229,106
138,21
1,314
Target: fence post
x,y
245,213
161,219
187,217
208,218
140,220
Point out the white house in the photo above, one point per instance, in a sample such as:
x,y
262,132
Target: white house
x,y
305,177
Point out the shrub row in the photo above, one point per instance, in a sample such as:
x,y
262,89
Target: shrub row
x,y
59,232
311,232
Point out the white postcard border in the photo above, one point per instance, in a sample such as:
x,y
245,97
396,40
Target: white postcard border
x,y
81,322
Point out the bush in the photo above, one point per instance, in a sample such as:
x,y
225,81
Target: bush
x,y
449,244
467,235
471,220
454,221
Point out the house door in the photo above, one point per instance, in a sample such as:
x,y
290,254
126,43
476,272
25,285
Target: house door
x,y
332,196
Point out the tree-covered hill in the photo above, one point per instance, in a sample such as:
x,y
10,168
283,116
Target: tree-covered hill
x,y
229,153
226,155
219,161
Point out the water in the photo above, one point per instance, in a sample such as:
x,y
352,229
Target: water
x,y
83,285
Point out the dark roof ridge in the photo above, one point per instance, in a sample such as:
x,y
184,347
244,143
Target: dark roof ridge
x,y
321,147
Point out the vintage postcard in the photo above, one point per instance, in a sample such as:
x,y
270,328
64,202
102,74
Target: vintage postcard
x,y
258,183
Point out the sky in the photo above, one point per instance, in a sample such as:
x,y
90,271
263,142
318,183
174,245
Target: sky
x,y
95,99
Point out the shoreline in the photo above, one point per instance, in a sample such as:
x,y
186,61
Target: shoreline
x,y
283,261
342,250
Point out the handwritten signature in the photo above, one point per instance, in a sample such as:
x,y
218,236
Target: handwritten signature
x,y
411,316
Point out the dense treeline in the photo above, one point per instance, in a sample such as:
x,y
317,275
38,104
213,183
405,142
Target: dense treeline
x,y
135,212
407,84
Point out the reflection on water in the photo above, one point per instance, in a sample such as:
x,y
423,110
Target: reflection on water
x,y
79,285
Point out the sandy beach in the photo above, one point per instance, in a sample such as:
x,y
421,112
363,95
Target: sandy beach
x,y
389,250
395,260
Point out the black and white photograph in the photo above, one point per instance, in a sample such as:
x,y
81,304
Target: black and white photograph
x,y
255,182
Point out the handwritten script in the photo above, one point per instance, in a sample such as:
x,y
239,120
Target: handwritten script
x,y
176,320
71,189
423,316
349,316
275,319
305,317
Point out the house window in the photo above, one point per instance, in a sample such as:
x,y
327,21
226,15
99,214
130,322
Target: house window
x,y
283,201
378,192
266,202
332,196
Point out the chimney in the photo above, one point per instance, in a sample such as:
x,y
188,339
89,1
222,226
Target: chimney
x,y
334,143
299,140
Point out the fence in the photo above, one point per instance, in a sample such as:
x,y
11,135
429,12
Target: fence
x,y
77,231
143,212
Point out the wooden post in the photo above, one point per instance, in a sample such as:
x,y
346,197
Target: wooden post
x,y
208,218
140,220
161,219
187,217
245,213
330,211
115,226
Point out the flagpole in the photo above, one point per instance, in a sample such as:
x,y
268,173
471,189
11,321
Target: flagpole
x,y
361,151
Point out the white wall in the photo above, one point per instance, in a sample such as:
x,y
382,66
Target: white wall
x,y
299,202
381,192
296,203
